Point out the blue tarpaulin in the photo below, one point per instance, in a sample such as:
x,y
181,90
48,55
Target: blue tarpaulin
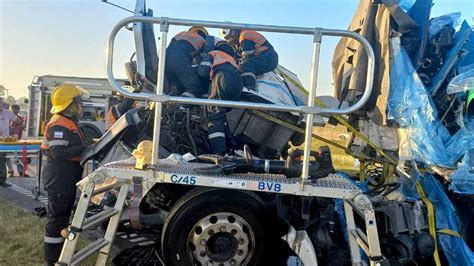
x,y
423,137
455,248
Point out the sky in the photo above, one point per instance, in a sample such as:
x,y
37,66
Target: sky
x,y
68,37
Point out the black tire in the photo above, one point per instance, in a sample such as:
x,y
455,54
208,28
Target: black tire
x,y
201,203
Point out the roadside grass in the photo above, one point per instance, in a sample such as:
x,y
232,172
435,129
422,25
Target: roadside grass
x,y
21,237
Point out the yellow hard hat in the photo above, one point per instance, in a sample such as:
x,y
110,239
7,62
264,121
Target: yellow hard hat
x,y
197,29
64,95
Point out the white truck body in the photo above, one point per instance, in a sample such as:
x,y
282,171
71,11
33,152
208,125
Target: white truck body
x,y
41,88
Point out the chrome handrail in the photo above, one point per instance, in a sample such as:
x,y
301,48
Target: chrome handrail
x,y
310,109
213,24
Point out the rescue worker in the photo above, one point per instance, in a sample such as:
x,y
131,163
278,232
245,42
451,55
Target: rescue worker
x,y
258,55
62,146
116,111
226,84
179,59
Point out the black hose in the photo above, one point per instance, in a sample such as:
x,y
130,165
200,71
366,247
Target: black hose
x,y
190,136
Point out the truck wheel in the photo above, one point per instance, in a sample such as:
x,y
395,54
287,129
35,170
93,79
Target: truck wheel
x,y
216,227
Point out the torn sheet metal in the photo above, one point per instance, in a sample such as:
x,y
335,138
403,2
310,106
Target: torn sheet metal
x,y
452,57
415,41
449,20
371,20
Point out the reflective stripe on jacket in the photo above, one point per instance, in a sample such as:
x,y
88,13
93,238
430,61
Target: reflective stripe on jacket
x,y
219,58
193,38
255,37
62,131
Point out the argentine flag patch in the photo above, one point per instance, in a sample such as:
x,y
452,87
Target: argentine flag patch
x,y
58,134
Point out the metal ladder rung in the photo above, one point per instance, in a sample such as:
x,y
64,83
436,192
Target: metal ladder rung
x,y
361,240
106,188
89,250
99,218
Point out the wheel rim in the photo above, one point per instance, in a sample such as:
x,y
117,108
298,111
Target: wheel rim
x,y
221,239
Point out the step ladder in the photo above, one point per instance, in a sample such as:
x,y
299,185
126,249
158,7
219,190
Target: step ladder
x,y
80,223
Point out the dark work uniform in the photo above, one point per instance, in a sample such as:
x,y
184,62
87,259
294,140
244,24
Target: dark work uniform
x,y
62,146
178,65
226,84
210,43
260,57
116,111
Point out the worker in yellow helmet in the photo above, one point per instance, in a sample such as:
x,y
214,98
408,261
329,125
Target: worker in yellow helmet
x,y
179,59
62,146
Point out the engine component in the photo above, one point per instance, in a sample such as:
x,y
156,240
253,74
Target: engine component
x,y
435,54
400,217
266,138
402,227
399,249
425,244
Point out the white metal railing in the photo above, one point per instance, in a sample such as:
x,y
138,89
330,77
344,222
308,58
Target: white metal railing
x,y
310,109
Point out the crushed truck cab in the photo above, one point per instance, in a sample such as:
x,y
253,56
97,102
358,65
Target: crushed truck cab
x,y
257,206
221,216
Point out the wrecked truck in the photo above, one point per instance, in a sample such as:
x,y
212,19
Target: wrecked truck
x,y
266,202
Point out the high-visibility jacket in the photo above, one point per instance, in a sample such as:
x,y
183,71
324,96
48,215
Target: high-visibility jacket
x,y
191,37
258,42
213,60
111,118
64,133
220,58
116,111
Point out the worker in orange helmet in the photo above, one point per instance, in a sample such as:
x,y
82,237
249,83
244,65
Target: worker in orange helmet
x,y
258,55
179,59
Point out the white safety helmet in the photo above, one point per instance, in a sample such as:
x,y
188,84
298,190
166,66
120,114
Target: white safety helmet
x,y
224,32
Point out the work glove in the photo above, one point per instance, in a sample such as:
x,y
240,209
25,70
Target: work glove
x,y
88,142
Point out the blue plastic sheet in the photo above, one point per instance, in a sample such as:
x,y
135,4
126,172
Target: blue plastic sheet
x,y
455,249
423,137
412,108
462,82
449,20
406,5
462,180
461,44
